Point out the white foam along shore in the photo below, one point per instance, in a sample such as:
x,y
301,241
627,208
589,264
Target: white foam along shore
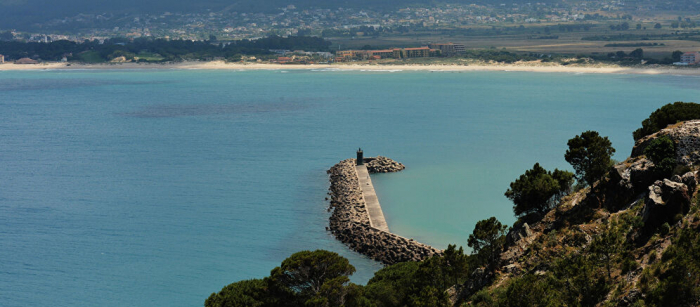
x,y
220,65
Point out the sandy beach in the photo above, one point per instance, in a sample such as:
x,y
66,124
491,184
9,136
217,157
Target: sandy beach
x,y
220,65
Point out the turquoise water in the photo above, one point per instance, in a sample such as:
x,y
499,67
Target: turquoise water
x,y
156,188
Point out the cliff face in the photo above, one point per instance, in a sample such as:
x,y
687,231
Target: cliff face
x,y
641,210
350,223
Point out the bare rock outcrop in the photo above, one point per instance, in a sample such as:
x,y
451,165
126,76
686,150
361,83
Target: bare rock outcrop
x,y
665,200
349,222
685,135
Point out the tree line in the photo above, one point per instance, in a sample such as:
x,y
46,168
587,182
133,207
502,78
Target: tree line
x,y
166,50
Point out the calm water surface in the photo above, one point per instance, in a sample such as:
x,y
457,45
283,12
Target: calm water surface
x,y
156,188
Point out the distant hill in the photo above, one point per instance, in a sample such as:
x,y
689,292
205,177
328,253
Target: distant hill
x,y
24,13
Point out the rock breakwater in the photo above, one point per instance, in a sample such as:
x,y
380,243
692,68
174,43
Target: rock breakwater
x,y
383,165
350,221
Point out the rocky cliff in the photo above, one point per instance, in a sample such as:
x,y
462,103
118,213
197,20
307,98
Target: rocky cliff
x,y
644,209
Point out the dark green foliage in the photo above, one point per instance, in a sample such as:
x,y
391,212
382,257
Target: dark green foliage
x,y
582,283
392,285
538,190
320,278
607,246
487,240
419,284
662,151
678,278
441,272
245,293
667,115
590,155
573,281
660,148
170,50
500,56
676,55
637,54
316,277
430,297
531,290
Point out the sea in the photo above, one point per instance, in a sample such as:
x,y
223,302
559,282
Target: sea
x,y
159,187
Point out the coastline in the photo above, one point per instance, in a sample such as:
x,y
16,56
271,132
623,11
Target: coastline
x,y
467,67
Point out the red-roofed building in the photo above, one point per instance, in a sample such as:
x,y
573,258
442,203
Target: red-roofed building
x,y
382,54
420,52
284,60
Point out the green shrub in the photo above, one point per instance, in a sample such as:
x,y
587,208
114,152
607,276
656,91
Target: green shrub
x,y
662,151
667,115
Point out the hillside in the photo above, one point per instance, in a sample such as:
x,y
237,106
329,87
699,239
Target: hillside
x,y
630,240
23,13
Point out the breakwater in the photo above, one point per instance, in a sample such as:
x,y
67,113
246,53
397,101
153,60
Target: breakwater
x,y
350,221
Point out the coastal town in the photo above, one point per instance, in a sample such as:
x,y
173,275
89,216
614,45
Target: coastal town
x,y
345,22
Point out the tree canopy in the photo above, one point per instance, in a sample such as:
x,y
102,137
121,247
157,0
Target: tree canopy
x,y
487,240
317,276
662,151
667,115
538,190
590,155
167,50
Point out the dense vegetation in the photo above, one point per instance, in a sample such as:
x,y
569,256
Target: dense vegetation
x,y
157,50
320,278
667,115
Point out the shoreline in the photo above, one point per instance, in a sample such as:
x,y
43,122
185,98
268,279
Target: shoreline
x,y
467,67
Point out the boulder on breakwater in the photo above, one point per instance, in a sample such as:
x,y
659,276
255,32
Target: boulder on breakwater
x,y
349,221
383,165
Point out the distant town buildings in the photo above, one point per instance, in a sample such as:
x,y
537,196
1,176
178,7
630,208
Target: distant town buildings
x,y
26,61
395,53
449,49
2,59
339,22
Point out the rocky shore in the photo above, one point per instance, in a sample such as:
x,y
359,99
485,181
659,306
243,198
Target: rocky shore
x,y
350,223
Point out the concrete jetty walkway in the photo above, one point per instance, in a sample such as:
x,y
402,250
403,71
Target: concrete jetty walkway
x,y
376,216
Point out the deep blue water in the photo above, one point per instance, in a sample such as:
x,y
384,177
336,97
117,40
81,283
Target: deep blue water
x,y
156,188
